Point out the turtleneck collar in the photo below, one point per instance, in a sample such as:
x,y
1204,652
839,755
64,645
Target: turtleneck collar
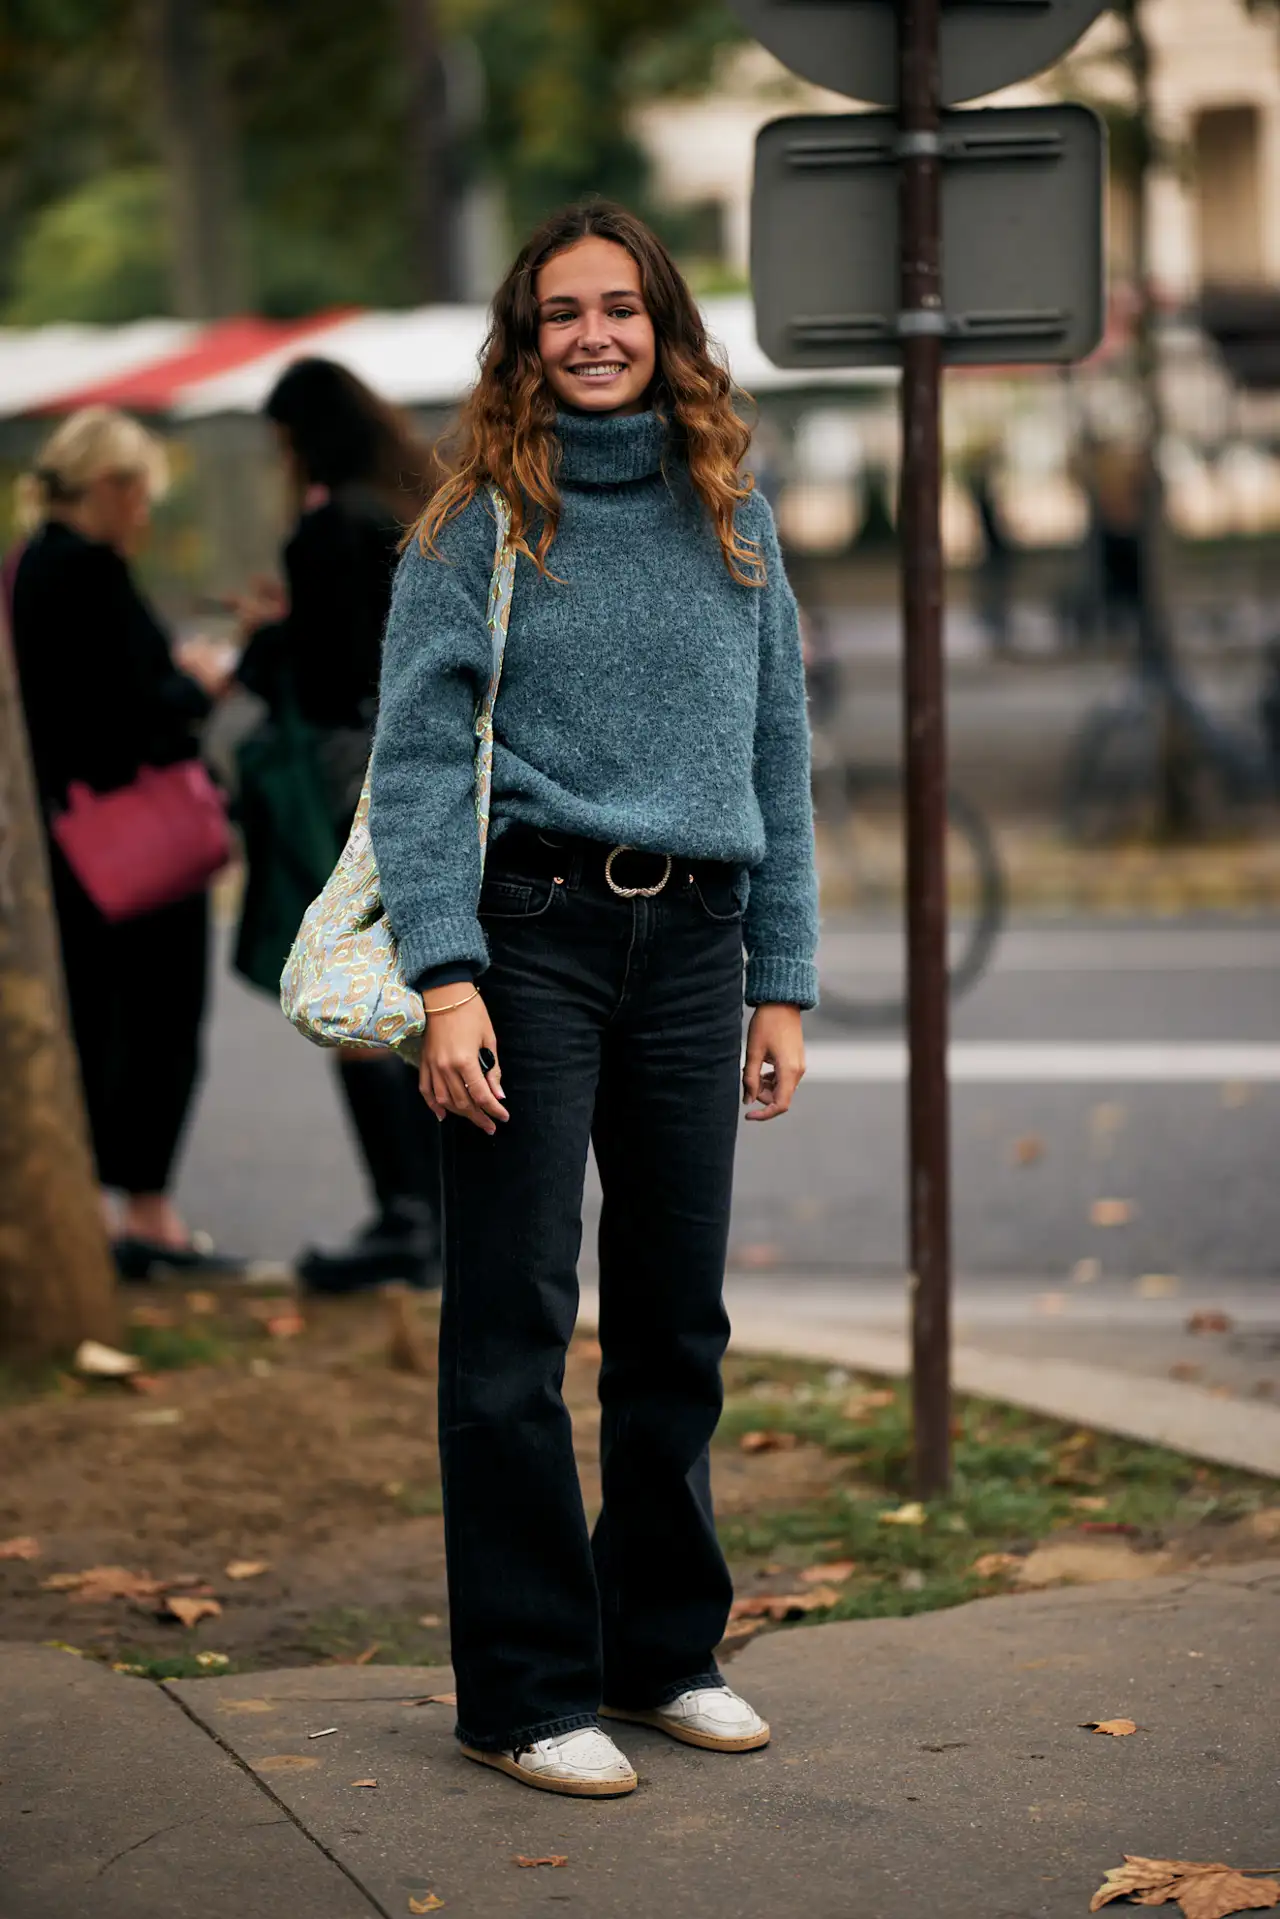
x,y
605,450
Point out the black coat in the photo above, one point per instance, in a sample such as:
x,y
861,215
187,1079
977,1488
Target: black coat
x,y
339,565
102,695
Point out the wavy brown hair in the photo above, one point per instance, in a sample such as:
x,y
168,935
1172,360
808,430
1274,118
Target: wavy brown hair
x,y
505,432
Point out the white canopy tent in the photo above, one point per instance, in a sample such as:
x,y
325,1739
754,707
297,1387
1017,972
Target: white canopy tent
x,y
428,356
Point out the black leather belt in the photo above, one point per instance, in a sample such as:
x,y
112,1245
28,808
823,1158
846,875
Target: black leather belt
x,y
624,870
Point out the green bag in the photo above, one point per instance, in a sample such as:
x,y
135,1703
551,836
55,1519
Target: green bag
x,y
290,837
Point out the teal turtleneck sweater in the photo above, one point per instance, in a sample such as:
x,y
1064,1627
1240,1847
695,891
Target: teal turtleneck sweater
x,y
647,700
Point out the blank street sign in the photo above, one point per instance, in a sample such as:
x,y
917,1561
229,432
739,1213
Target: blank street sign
x,y
1021,237
851,45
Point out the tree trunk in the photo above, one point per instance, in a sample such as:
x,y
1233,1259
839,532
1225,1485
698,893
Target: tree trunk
x,y
56,1280
207,254
432,185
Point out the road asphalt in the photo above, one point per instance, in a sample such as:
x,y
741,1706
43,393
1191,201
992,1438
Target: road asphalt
x,y
919,1767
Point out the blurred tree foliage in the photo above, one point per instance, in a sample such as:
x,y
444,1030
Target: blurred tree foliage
x,y
319,97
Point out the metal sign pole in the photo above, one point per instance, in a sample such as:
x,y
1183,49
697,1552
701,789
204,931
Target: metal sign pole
x,y
922,324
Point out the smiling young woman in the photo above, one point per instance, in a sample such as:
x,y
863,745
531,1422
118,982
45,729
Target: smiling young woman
x,y
651,826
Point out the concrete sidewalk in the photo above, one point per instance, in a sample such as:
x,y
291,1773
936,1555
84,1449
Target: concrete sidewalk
x,y
922,1767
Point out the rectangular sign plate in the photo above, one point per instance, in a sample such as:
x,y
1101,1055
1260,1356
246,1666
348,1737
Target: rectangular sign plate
x,y
1022,255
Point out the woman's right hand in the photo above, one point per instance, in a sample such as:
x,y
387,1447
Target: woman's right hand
x,y
450,1076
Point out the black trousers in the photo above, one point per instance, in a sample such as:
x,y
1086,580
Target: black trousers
x,y
137,997
619,1023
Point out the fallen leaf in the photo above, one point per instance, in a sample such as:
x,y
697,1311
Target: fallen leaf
x,y
995,1565
874,1401
912,1514
1086,1271
155,1415
363,1658
429,1904
1203,1891
22,1547
1210,1323
438,1699
429,1619
741,1629
1027,1150
1118,1728
1186,1372
213,1661
755,1258
1111,1212
191,1611
768,1442
246,1568
838,1570
96,1361
780,1606
202,1304
1158,1285
151,1316
364,1782
552,1859
97,1583
144,1383
1089,1503
286,1325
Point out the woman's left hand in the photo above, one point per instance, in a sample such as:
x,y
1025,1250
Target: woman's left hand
x,y
775,1060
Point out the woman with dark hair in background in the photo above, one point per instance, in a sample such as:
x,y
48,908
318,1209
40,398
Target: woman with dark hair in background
x,y
358,473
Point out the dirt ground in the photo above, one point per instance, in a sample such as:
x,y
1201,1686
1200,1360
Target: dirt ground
x,y
312,1453
298,1445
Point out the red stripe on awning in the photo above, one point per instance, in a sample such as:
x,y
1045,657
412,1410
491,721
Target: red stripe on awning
x,y
223,346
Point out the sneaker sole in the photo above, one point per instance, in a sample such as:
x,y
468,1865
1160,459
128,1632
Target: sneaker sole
x,y
545,1782
689,1735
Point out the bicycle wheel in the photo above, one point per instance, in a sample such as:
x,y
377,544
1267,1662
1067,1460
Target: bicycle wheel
x,y
861,821
1155,762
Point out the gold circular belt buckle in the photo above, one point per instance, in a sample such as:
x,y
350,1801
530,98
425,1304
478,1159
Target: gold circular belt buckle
x,y
634,892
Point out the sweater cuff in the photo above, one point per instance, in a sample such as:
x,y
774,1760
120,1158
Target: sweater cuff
x,y
454,974
445,939
778,979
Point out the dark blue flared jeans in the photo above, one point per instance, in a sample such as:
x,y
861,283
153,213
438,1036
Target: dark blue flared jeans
x,y
619,1024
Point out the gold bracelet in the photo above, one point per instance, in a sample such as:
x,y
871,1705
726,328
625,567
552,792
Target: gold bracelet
x,y
453,1005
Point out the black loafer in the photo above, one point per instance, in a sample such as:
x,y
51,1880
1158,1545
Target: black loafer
x,y
141,1259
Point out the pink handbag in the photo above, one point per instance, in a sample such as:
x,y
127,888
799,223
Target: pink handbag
x,y
148,844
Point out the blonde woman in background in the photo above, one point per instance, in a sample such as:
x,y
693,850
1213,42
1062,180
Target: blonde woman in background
x,y
104,698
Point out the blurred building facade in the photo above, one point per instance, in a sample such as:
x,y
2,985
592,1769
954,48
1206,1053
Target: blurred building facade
x,y
1215,210
1213,258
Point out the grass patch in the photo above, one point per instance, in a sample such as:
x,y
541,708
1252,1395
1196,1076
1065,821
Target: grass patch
x,y
345,1634
165,1349
189,1665
1018,1478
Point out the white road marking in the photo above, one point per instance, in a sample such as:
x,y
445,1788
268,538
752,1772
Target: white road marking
x,y
884,1062
1099,949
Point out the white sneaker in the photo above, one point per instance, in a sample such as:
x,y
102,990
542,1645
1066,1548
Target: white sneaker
x,y
584,1762
709,1716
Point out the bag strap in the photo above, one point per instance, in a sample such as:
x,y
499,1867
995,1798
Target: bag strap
x,y
501,586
